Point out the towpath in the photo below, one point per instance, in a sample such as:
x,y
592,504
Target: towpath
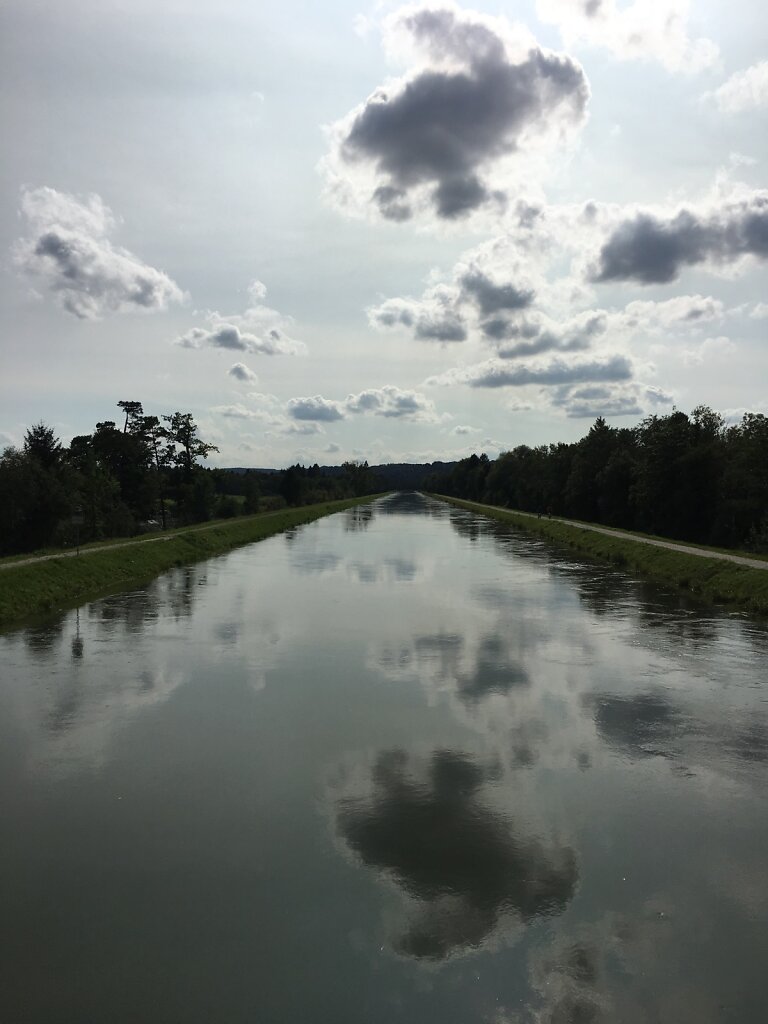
x,y
158,538
687,549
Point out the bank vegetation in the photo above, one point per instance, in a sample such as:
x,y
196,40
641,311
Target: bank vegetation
x,y
708,578
35,588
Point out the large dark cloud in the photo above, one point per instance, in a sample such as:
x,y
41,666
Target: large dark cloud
x,y
443,126
493,298
653,249
463,865
69,250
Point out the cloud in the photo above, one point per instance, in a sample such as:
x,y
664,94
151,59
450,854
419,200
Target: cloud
x,y
303,428
70,253
542,334
604,385
494,374
680,311
478,96
239,412
259,330
392,403
231,337
432,318
591,401
488,290
388,401
657,396
494,298
242,373
392,814
744,90
643,29
461,430
315,409
653,248
588,401
710,349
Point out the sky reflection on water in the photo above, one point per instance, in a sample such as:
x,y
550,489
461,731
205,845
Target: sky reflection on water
x,y
399,764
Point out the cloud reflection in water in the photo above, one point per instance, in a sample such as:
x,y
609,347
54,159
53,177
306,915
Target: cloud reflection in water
x,y
464,868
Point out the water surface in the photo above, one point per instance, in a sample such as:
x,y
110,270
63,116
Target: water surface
x,y
401,764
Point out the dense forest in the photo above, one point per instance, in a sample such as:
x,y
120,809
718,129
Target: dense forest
x,y
691,477
144,474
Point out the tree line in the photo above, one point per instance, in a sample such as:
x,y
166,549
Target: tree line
x,y
144,473
690,477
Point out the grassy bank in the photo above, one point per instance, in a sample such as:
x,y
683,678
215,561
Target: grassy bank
x,y
713,580
45,586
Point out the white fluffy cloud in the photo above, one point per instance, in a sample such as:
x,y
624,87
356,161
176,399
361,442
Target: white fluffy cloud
x,y
714,349
682,310
392,403
242,373
316,409
69,252
744,90
259,330
388,401
643,29
445,137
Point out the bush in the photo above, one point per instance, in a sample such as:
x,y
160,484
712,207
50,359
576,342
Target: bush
x,y
228,507
272,503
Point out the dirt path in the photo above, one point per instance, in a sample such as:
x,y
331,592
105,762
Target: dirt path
x,y
752,563
119,544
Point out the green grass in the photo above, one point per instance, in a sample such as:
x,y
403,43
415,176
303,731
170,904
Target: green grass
x,y
28,591
711,579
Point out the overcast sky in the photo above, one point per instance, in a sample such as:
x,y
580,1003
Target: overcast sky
x,y
390,232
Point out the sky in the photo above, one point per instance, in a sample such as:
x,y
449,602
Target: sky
x,y
386,232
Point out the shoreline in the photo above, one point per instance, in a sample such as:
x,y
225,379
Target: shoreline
x,y
40,586
712,576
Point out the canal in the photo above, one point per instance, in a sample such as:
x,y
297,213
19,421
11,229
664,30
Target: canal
x,y
400,764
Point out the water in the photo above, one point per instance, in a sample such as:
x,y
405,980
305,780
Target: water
x,y
402,764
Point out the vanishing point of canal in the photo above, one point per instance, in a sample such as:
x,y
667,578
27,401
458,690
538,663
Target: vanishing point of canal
x,y
403,764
